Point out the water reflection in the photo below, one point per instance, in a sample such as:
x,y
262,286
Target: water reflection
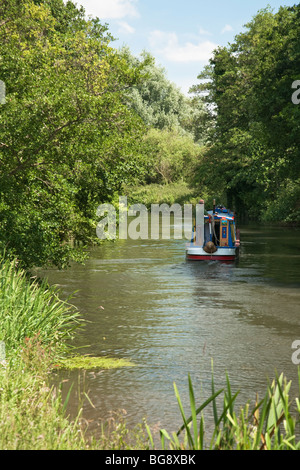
x,y
143,301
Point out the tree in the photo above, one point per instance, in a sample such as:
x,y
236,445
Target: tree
x,y
256,135
161,104
67,139
173,156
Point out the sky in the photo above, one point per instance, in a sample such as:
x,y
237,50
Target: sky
x,y
181,35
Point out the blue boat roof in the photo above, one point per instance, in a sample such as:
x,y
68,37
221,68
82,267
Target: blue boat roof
x,y
222,213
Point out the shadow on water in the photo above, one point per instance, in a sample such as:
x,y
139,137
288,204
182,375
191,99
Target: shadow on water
x,y
143,301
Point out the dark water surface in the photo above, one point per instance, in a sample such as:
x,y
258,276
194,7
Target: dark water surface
x,y
144,302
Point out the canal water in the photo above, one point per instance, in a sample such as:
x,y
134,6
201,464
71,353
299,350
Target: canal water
x,y
143,301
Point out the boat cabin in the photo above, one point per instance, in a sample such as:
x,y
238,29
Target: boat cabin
x,y
219,227
215,236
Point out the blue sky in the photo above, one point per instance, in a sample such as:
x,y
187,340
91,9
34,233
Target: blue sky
x,y
181,35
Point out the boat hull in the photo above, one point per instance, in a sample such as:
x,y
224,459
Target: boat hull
x,y
196,253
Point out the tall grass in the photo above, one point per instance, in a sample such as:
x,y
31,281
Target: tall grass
x,y
29,308
33,416
32,413
273,424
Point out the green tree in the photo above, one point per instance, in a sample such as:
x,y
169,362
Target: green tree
x,y
67,139
173,157
256,134
161,104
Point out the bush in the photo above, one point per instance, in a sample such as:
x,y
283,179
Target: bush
x,y
286,206
172,156
179,193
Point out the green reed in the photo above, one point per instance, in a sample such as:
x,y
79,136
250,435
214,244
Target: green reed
x,y
29,308
273,423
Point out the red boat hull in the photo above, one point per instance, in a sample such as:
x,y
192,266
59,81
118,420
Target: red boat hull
x,y
210,257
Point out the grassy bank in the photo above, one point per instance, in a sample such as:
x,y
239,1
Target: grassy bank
x,y
36,329
29,308
36,333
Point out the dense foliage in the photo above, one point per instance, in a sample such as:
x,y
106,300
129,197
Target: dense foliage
x,y
173,156
74,127
82,121
162,105
68,141
254,159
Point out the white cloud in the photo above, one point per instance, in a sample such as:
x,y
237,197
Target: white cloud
x,y
227,29
125,28
167,44
203,31
112,9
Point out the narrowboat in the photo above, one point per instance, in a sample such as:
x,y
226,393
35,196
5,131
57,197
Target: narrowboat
x,y
215,236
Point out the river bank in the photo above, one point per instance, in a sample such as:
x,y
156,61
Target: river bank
x,y
30,401
37,329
